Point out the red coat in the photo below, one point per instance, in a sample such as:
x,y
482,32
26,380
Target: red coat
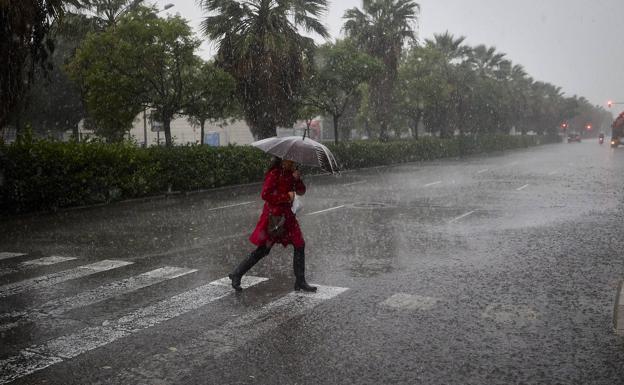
x,y
277,184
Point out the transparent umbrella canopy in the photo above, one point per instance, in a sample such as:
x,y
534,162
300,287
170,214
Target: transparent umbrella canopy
x,y
301,150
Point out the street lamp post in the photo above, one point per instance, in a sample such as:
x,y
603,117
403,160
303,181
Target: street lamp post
x,y
166,7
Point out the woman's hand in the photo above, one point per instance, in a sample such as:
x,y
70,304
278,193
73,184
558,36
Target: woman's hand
x,y
291,195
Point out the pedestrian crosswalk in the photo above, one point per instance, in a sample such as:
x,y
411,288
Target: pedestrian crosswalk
x,y
24,361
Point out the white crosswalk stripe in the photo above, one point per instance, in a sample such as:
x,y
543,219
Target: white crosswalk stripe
x,y
60,306
61,276
7,255
45,261
59,349
404,301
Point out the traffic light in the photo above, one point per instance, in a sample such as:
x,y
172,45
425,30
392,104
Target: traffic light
x,y
589,127
610,103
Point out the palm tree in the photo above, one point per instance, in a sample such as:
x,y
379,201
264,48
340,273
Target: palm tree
x,y
259,44
487,60
452,48
382,28
456,68
106,13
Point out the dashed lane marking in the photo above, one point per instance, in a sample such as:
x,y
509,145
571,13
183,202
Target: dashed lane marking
x,y
523,187
462,217
433,184
354,183
326,210
229,206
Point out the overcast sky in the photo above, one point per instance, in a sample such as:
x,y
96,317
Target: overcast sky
x,y
575,44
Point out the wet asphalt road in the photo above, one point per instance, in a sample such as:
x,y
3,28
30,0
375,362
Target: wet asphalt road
x,y
488,270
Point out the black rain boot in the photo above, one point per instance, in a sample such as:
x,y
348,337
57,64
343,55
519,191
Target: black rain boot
x,y
299,268
247,264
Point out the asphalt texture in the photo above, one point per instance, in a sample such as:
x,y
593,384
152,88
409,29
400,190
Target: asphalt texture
x,y
496,269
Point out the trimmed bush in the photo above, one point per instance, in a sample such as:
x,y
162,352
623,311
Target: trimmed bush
x,y
46,175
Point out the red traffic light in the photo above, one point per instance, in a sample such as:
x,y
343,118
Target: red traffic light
x,y
610,103
589,127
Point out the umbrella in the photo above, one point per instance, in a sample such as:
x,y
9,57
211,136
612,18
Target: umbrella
x,y
301,150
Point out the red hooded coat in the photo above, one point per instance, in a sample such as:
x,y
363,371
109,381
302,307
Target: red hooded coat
x,y
277,184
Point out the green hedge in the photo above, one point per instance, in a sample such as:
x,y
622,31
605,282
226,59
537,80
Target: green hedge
x,y
45,175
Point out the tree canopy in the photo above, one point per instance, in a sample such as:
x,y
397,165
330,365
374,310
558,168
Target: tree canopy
x,y
260,45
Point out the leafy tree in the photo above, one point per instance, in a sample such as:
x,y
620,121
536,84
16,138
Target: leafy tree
x,y
451,63
421,85
211,97
339,70
107,13
259,44
144,62
54,103
381,28
24,43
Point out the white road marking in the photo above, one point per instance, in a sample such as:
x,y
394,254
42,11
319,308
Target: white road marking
x,y
227,338
483,171
405,301
62,276
462,217
47,261
324,211
60,306
60,349
354,183
6,255
433,184
510,313
229,206
523,187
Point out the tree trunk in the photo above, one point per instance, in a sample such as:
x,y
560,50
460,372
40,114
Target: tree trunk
x,y
75,132
383,132
266,131
202,123
415,128
336,118
167,126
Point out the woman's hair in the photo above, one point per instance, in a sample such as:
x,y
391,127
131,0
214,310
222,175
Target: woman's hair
x,y
275,163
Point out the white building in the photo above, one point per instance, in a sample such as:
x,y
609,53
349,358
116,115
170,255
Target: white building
x,y
182,132
216,133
